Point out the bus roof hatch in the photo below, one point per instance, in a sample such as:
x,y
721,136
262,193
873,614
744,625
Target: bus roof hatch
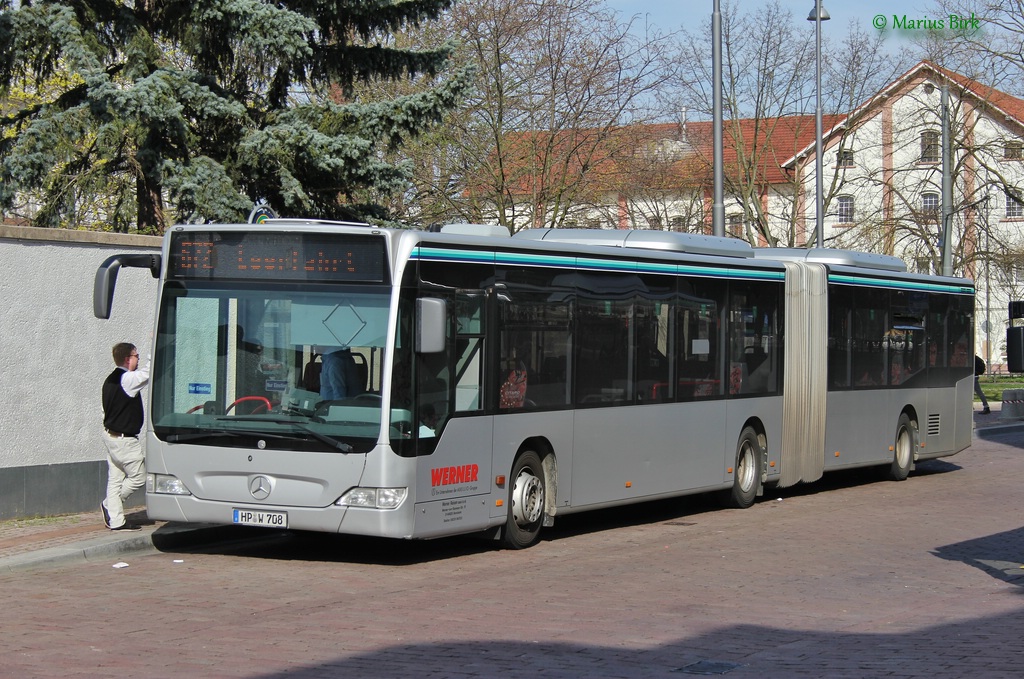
x,y
861,260
668,241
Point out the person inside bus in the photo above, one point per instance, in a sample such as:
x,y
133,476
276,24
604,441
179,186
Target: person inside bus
x,y
868,371
513,390
428,421
339,377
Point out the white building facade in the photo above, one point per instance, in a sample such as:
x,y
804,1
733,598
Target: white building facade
x,y
883,187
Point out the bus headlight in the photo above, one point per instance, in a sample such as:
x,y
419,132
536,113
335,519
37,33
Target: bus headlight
x,y
374,498
165,484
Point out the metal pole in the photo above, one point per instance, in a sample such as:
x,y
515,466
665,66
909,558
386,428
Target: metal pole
x,y
819,165
718,206
988,290
947,187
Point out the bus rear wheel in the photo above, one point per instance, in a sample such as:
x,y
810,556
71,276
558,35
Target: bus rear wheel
x,y
527,498
903,449
746,480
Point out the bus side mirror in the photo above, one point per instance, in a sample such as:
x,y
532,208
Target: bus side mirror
x,y
106,279
431,322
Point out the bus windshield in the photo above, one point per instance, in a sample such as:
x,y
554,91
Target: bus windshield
x,y
282,366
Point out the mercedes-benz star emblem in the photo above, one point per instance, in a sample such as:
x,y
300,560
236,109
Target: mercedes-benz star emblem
x,y
259,487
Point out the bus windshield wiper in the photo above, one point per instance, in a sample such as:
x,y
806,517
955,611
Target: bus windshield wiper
x,y
181,438
216,433
323,438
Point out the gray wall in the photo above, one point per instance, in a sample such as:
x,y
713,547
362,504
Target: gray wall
x,y
54,355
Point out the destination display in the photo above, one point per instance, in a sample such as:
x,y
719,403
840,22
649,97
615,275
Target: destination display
x,y
314,257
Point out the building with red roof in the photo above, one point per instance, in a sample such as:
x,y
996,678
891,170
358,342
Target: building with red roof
x,y
882,183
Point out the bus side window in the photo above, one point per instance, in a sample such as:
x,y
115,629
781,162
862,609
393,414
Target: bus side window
x,y
697,348
840,311
870,321
534,339
754,333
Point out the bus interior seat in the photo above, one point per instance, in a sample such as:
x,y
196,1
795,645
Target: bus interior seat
x,y
311,374
362,370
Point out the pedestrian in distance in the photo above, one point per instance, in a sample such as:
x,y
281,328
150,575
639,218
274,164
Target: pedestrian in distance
x,y
979,369
122,422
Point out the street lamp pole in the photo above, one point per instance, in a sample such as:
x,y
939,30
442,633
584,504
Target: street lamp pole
x,y
988,288
817,15
718,204
947,187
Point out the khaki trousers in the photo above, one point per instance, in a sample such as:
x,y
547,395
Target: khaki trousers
x,y
126,473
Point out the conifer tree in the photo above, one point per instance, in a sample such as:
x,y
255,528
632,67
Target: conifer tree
x,y
193,110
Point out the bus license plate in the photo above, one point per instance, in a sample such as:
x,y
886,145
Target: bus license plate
x,y
250,517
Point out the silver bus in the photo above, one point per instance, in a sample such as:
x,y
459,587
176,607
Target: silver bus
x,y
495,382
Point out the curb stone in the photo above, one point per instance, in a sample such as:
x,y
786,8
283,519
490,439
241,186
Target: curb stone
x,y
166,537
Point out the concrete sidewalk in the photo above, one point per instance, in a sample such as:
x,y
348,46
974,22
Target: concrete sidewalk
x,y
28,543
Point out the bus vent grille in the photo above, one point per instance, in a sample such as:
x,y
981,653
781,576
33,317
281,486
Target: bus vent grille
x,y
934,424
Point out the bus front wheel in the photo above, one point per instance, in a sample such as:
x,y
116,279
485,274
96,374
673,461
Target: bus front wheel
x,y
903,449
527,498
746,478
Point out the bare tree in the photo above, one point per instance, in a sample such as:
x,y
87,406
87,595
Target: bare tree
x,y
765,62
902,214
554,82
768,82
986,42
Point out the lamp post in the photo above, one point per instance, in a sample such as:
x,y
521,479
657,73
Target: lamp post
x,y
988,287
718,206
817,15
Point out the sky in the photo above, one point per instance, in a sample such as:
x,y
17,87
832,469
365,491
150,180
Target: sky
x,y
671,14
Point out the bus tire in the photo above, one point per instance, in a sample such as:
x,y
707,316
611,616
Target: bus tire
x,y
903,449
526,501
746,480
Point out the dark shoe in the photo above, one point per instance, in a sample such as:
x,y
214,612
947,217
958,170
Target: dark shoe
x,y
986,411
106,515
128,526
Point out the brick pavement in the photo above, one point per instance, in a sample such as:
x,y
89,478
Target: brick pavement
x,y
20,537
925,582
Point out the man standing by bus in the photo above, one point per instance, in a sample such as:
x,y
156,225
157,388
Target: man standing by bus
x,y
122,422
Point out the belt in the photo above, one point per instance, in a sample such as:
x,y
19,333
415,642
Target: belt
x,y
119,435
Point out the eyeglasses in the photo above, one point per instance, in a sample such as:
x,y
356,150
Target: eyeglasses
x,y
133,355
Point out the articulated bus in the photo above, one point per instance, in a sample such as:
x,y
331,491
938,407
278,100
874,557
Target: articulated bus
x,y
495,382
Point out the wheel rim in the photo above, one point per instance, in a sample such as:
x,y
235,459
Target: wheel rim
x,y
745,467
903,448
527,498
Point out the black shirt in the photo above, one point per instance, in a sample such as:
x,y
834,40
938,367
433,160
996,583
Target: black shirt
x,y
121,413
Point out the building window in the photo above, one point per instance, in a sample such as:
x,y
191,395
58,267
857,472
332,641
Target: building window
x,y
654,223
735,226
1014,207
678,223
930,205
923,265
1013,150
844,158
929,146
844,209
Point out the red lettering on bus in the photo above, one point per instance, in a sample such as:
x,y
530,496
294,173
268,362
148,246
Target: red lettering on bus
x,y
447,476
